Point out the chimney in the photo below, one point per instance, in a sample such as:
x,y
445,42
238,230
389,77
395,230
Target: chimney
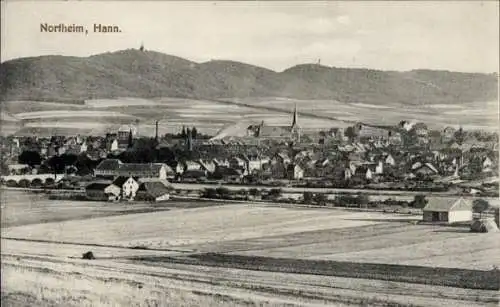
x,y
156,132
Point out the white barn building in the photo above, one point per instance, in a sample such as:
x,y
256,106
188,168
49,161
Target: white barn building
x,y
448,210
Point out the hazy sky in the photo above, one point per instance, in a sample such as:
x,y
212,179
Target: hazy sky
x,y
461,36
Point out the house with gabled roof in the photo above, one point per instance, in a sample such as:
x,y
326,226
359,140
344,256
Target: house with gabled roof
x,y
155,190
108,168
448,210
96,191
115,168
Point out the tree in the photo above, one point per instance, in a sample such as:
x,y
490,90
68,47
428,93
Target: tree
x,y
363,200
223,192
56,164
460,136
419,201
350,133
130,139
209,193
183,132
84,165
275,193
308,197
254,192
479,206
29,157
320,199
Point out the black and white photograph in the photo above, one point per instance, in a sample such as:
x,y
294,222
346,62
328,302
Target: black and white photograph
x,y
249,153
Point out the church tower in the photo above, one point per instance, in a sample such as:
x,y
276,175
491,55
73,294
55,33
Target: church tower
x,y
295,129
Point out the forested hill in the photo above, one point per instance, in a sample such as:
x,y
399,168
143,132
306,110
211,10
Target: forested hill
x,y
134,73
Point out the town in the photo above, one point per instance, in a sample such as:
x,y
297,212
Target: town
x,y
406,156
250,154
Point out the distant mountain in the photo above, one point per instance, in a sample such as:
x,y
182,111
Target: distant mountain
x,y
134,73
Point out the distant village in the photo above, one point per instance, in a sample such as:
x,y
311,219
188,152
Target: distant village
x,y
124,165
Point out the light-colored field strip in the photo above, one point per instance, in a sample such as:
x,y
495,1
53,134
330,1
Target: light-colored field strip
x,y
187,226
469,115
264,286
253,229
68,114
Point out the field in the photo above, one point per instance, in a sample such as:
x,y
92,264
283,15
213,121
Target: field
x,y
104,115
240,255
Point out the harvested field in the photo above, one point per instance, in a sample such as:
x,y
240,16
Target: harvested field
x,y
241,254
187,226
461,278
269,231
126,283
21,208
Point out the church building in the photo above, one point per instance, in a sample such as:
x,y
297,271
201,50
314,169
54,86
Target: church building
x,y
264,131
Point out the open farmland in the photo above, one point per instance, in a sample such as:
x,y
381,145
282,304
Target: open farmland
x,y
104,115
254,229
240,254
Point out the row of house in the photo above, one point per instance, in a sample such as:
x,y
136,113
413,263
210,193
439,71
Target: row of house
x,y
128,188
116,180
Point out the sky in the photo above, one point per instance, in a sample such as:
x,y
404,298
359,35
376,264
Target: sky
x,y
457,36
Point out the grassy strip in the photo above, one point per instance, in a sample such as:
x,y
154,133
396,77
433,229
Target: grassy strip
x,y
451,277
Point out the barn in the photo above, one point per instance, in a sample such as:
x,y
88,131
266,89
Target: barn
x,y
448,210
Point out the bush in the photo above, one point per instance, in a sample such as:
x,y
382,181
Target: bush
x,y
223,192
362,200
308,197
255,192
88,256
36,183
24,183
11,183
275,193
419,201
209,193
320,199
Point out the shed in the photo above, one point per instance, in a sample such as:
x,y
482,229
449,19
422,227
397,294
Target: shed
x,y
154,190
448,210
96,191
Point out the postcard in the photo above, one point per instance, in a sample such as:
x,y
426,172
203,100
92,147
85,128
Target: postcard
x,y
249,153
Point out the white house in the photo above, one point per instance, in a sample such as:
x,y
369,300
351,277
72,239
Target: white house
x,y
448,210
487,165
114,145
207,165
113,192
295,172
83,147
379,169
129,188
390,160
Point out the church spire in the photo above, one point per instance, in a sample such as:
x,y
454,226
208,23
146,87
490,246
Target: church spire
x,y
295,125
294,120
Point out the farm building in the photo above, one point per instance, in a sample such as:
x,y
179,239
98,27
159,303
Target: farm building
x,y
448,210
154,190
96,191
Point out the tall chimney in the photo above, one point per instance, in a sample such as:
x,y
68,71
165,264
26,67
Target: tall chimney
x,y
156,132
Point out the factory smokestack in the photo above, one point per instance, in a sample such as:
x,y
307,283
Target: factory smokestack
x,y
156,131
